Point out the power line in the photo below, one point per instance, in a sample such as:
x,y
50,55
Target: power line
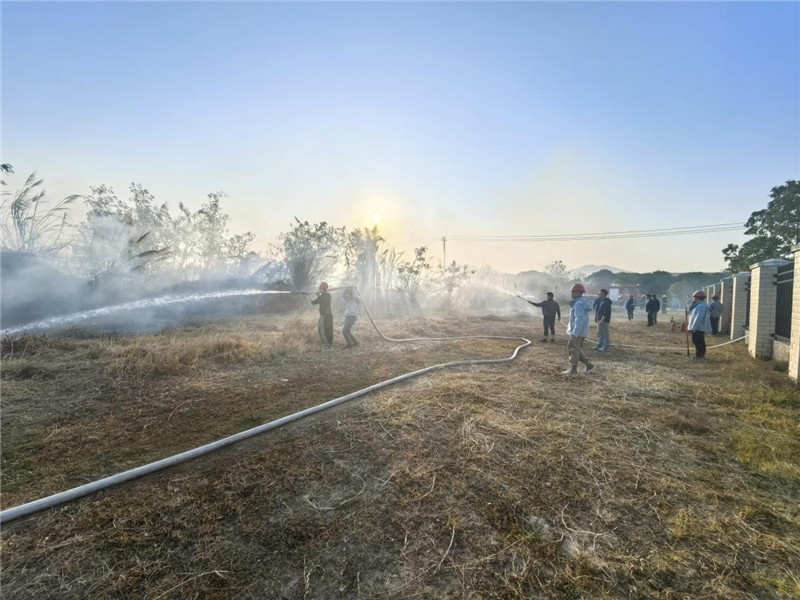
x,y
607,235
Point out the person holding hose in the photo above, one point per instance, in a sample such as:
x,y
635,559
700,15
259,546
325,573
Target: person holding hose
x,y
699,323
550,310
351,313
602,316
323,300
578,330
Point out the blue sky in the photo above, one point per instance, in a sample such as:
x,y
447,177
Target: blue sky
x,y
445,118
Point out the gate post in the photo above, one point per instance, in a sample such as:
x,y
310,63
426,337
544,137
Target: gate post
x,y
763,306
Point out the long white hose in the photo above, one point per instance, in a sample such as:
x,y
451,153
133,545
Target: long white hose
x,y
101,484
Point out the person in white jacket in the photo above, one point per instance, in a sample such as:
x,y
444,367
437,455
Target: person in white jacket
x,y
578,330
699,323
351,313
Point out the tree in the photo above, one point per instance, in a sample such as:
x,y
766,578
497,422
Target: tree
x,y
557,269
451,278
310,251
410,273
602,277
774,230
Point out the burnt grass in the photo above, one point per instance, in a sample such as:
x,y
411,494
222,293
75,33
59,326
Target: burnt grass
x,y
654,477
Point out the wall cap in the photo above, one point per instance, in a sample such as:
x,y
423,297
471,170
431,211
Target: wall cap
x,y
742,274
772,262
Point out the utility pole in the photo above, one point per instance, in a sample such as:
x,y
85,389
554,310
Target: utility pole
x,y
444,252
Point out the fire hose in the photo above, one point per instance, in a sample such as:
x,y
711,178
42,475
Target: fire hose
x,y
35,506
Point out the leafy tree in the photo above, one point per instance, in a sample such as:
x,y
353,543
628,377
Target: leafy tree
x,y
410,273
557,269
602,277
774,230
451,278
310,251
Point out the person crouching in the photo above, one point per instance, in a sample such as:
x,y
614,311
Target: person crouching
x,y
351,313
325,326
578,330
699,323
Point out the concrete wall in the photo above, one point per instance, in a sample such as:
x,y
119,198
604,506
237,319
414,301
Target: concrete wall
x,y
781,351
739,304
763,300
794,354
726,297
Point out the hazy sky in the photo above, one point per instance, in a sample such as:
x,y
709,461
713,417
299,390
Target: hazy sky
x,y
444,118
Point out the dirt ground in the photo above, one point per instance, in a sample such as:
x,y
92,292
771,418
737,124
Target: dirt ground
x,y
653,477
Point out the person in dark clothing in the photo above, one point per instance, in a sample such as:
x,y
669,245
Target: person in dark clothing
x,y
630,306
602,316
656,308
649,309
550,310
325,326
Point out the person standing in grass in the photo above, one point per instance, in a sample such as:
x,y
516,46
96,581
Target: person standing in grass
x,y
602,316
664,304
550,310
351,313
630,306
578,330
649,309
716,307
699,323
325,326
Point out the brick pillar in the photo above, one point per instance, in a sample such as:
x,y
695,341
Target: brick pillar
x,y
794,351
739,304
726,297
763,301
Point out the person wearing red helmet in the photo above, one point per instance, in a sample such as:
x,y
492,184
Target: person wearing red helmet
x,y
578,330
325,326
699,323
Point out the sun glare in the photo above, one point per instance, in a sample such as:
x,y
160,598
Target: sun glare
x,y
376,218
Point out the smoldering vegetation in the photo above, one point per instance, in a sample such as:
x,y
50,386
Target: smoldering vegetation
x,y
126,250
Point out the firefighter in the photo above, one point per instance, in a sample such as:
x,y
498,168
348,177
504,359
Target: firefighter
x,y
550,311
578,330
699,323
325,326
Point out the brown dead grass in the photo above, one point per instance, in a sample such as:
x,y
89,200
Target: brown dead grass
x,y
654,477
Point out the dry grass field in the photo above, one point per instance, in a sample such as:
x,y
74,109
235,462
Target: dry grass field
x,y
653,477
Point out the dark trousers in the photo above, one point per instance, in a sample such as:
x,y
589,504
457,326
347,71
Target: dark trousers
x,y
549,325
630,314
699,341
326,329
651,318
714,325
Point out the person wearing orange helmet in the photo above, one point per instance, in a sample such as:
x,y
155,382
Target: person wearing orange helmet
x,y
699,323
325,326
578,330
